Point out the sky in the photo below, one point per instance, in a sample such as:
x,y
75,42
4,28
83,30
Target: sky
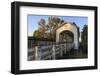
x,y
34,19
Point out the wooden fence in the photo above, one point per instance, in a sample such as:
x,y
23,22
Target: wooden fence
x,y
49,52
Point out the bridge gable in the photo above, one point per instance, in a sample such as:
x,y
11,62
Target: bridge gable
x,y
68,27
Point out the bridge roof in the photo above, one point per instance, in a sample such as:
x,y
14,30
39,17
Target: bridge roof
x,y
66,23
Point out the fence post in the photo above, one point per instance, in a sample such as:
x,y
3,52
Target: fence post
x,y
65,48
36,53
61,51
53,53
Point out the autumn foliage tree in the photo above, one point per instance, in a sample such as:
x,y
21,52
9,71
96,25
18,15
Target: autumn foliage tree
x,y
41,30
48,30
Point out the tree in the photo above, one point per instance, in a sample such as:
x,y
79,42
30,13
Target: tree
x,y
53,22
48,30
42,25
84,38
42,28
37,34
42,22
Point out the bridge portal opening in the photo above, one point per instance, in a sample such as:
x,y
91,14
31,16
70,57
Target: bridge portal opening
x,y
66,36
